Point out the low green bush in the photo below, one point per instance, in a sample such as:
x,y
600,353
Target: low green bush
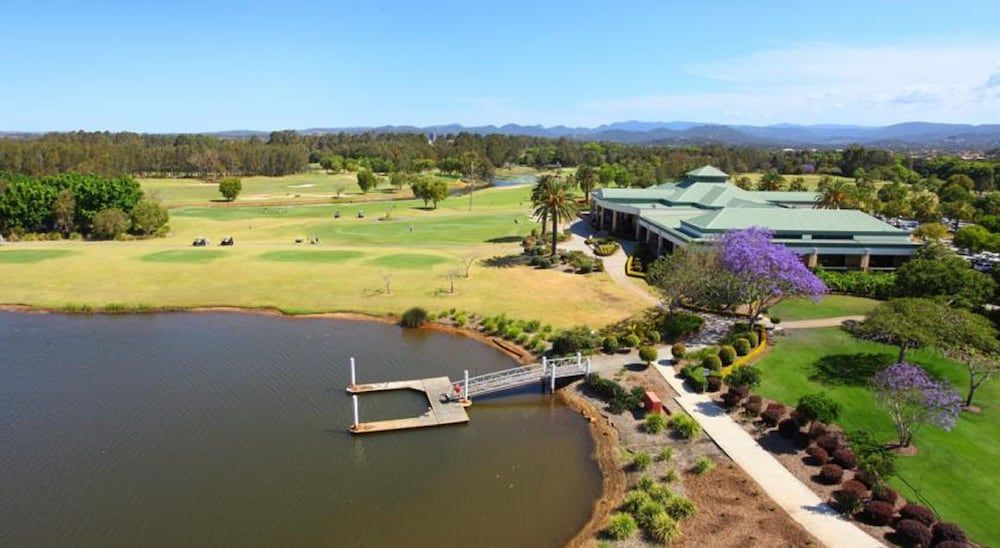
x,y
678,350
654,423
680,508
647,512
712,362
414,317
640,461
744,375
634,500
694,376
666,454
631,341
663,529
684,426
671,476
653,336
571,341
680,325
610,344
703,466
621,526
876,285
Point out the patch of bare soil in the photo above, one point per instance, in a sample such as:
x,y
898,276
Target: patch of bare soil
x,y
732,510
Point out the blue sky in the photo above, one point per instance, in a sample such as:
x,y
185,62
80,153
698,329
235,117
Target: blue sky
x,y
205,66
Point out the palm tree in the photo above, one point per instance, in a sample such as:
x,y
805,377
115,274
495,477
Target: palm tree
x,y
586,177
834,194
771,180
552,200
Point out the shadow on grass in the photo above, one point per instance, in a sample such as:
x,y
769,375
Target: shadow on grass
x,y
505,240
849,369
505,261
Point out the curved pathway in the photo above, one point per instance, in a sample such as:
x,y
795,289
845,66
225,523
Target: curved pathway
x,y
614,264
819,322
801,503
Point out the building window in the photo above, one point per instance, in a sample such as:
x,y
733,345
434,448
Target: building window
x,y
833,236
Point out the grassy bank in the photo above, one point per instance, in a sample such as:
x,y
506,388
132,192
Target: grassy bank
x,y
957,472
830,306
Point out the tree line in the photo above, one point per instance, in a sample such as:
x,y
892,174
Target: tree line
x,y
75,205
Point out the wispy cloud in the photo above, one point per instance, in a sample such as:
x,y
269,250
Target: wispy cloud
x,y
830,83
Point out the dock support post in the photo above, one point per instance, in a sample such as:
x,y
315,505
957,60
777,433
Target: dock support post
x,y
354,380
545,371
354,398
466,385
552,380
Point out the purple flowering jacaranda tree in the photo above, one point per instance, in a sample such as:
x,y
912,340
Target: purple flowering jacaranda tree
x,y
764,272
913,399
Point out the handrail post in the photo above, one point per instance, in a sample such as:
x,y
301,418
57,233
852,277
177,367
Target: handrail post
x,y
588,366
579,360
355,400
552,380
466,385
354,381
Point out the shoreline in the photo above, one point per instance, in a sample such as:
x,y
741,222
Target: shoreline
x,y
603,434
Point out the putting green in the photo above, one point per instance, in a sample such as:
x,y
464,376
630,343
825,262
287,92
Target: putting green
x,y
335,256
409,260
28,256
198,256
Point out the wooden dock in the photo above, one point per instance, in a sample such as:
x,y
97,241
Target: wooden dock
x,y
441,411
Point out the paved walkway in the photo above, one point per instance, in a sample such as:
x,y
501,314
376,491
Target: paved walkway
x,y
801,503
614,264
820,322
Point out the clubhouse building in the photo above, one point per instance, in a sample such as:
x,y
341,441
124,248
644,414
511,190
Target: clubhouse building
x,y
705,204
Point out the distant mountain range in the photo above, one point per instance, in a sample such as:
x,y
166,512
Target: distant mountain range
x,y
909,135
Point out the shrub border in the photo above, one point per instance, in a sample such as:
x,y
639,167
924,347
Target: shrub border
x,y
633,273
753,355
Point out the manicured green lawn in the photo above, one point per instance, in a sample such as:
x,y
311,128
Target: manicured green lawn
x,y
29,256
311,256
957,472
409,260
830,306
195,256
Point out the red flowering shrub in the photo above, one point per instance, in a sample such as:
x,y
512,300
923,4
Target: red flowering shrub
x,y
948,532
830,442
914,533
753,406
919,513
831,474
884,493
878,512
817,429
856,487
788,428
845,458
818,455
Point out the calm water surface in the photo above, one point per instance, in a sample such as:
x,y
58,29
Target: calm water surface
x,y
230,429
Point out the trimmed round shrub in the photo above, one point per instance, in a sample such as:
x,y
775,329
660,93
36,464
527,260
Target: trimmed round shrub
x,y
731,400
631,341
727,354
663,528
788,428
753,406
847,502
945,532
884,493
753,338
711,362
818,455
867,478
878,512
817,429
610,344
714,384
845,458
856,487
742,347
830,442
772,414
414,317
621,526
746,376
917,512
678,350
914,533
831,474
653,336
648,354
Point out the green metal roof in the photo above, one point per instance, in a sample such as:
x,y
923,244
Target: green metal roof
x,y
788,197
806,221
707,172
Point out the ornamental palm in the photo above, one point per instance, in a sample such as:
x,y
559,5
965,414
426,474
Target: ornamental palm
x,y
834,194
553,200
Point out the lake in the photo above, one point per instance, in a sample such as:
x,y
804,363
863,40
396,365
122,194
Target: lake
x,y
231,429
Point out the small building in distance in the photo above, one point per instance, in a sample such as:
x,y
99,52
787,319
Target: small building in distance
x,y
706,204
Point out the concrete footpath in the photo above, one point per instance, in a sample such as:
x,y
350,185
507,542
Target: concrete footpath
x,y
782,486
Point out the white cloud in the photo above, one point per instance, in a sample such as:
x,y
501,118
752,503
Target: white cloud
x,y
830,84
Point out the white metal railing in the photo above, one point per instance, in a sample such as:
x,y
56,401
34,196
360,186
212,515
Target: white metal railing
x,y
520,376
